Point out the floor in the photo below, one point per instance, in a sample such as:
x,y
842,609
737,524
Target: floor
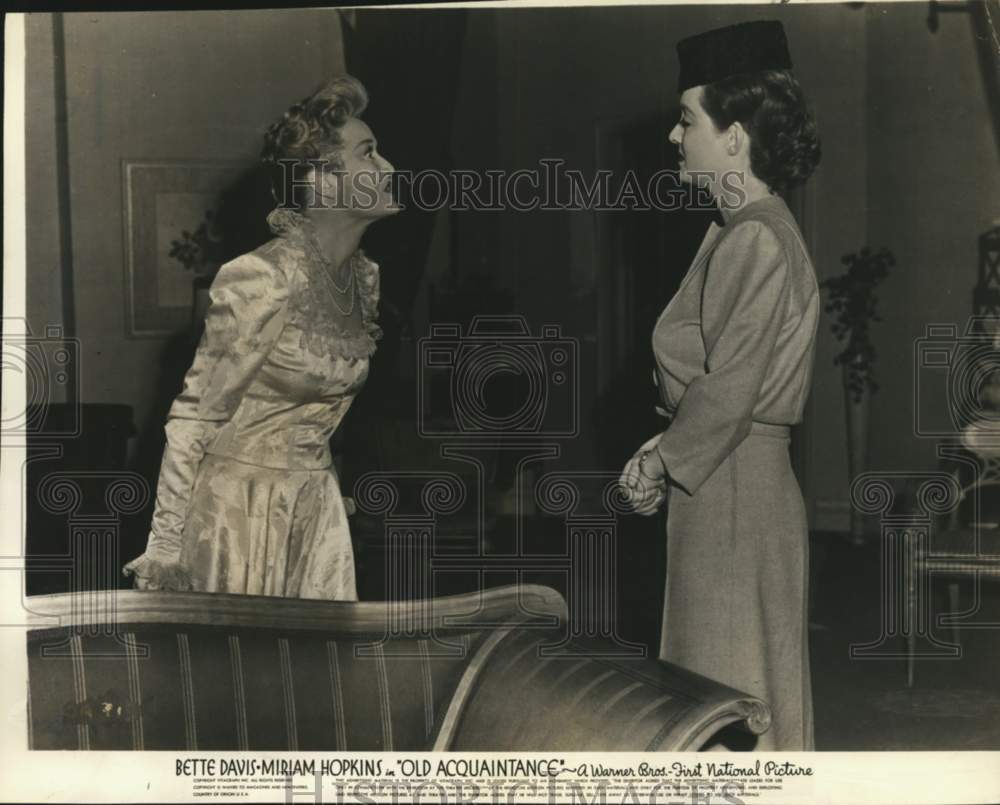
x,y
865,704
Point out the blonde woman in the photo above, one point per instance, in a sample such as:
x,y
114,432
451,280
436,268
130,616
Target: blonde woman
x,y
248,500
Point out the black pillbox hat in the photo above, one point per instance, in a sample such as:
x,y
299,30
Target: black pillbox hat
x,y
745,48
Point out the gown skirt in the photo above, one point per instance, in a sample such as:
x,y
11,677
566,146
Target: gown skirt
x,y
737,578
260,531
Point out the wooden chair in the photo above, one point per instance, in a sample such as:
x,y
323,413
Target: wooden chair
x,y
967,543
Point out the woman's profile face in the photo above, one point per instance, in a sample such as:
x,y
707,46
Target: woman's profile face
x,y
702,148
362,185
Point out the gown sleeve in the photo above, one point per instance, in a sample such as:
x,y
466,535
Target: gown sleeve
x,y
245,317
743,300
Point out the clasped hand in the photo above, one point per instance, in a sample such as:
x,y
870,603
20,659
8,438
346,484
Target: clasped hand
x,y
644,480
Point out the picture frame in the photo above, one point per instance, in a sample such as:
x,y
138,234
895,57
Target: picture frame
x,y
162,200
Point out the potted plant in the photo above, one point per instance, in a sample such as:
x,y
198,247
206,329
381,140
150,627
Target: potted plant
x,y
852,301
201,252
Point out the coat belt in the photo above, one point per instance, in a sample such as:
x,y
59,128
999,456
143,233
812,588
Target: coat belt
x,y
757,428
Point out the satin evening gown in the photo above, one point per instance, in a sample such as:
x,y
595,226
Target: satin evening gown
x,y
248,499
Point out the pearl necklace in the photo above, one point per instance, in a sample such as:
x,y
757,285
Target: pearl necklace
x,y
328,273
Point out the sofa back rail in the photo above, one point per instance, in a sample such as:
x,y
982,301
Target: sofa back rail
x,y
196,671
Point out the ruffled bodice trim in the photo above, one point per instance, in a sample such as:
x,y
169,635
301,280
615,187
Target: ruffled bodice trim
x,y
350,343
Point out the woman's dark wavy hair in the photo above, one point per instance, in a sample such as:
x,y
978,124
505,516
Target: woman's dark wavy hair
x,y
770,105
310,130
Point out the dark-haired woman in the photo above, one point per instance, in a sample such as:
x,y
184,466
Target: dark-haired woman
x,y
734,354
248,500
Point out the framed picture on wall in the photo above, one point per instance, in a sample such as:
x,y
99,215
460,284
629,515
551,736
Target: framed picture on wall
x,y
179,226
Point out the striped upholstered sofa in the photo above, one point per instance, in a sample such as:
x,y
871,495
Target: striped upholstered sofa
x,y
489,671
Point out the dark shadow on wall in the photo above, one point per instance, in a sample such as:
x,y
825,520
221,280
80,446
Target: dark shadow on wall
x,y
652,248
76,523
407,61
